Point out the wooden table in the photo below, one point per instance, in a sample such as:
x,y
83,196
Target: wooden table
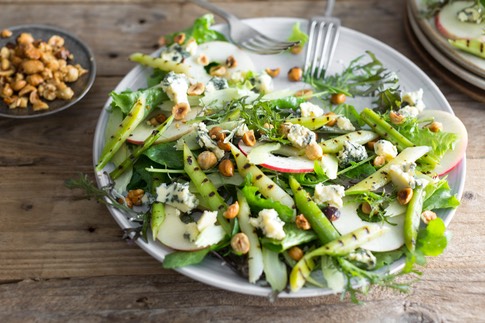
x,y
63,257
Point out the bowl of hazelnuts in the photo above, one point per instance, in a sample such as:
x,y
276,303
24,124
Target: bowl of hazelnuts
x,y
43,70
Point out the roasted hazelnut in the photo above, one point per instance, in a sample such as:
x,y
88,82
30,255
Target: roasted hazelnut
x,y
226,168
295,74
295,253
405,195
240,243
396,118
302,223
338,98
249,139
232,211
206,159
273,72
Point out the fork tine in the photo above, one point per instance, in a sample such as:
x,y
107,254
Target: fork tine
x,y
321,46
310,46
276,42
261,46
329,30
259,50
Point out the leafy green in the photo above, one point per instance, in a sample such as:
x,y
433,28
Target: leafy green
x,y
200,31
294,237
384,259
440,142
166,154
441,198
432,241
179,259
126,99
257,203
298,35
357,79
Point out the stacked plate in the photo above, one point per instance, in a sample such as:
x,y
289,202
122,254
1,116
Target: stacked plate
x,y
467,67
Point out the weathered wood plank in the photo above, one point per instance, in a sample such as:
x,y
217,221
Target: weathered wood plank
x,y
174,298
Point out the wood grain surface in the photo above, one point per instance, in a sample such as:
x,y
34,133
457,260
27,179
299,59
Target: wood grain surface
x,y
62,258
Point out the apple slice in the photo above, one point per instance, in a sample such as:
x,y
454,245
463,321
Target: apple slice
x,y
454,125
263,155
177,129
172,231
449,26
391,239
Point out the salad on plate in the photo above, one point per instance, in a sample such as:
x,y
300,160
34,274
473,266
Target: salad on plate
x,y
288,186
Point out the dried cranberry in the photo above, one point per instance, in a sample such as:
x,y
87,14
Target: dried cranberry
x,y
331,212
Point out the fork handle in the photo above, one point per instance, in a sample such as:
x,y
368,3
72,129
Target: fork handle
x,y
329,9
215,9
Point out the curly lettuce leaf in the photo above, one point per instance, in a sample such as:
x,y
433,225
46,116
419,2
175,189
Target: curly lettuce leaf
x,y
200,31
298,35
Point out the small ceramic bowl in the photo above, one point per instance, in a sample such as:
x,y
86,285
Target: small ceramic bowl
x,y
82,55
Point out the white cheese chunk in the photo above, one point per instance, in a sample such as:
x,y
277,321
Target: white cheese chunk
x,y
402,176
263,83
331,194
351,152
270,223
176,86
178,196
207,219
300,136
414,99
344,123
309,109
386,149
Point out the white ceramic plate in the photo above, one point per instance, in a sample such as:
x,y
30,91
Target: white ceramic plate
x,y
466,61
351,45
444,60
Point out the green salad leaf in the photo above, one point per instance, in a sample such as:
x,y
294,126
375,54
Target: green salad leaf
x,y
200,31
126,99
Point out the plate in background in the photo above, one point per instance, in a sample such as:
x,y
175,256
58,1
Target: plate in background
x,y
463,60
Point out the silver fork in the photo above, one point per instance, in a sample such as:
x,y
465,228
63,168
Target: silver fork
x,y
323,36
245,36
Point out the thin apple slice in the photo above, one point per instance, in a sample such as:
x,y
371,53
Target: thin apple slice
x,y
449,26
177,129
452,124
171,231
284,164
391,239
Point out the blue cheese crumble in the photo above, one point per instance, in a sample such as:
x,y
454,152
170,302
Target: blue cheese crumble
x,y
330,194
178,196
300,136
175,53
344,123
412,104
263,83
386,149
176,86
402,176
216,84
351,152
309,109
270,223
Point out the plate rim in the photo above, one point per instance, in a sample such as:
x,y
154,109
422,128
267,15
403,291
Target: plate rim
x,y
91,70
252,289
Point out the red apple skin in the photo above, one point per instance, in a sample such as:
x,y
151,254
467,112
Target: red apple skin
x,y
280,164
